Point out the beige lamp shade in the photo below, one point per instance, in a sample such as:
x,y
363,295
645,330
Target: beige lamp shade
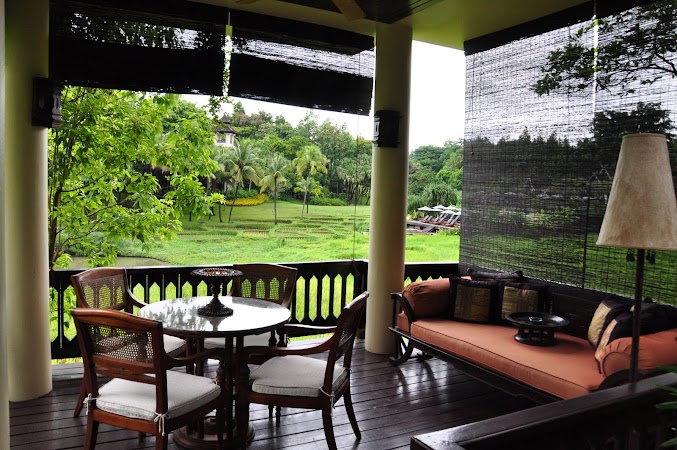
x,y
642,209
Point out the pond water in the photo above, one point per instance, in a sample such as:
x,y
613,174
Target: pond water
x,y
80,262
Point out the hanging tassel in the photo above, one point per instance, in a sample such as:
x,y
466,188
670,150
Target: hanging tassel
x,y
651,256
87,401
160,419
630,256
331,399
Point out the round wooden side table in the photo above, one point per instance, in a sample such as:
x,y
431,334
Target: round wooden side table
x,y
536,328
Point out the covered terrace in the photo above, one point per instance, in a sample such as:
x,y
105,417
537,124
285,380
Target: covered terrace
x,y
521,160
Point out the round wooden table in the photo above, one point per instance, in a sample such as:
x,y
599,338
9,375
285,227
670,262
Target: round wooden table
x,y
179,317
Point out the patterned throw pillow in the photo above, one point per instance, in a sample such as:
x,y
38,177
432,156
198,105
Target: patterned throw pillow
x,y
522,297
608,310
616,326
473,301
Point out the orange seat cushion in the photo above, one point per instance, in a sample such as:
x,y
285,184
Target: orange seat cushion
x,y
565,370
655,349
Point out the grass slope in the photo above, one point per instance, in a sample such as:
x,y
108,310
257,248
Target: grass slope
x,y
325,233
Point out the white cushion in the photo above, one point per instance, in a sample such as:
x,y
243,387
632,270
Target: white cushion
x,y
137,400
294,375
172,343
249,341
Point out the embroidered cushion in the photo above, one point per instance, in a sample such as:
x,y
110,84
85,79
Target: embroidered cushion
x,y
473,301
522,297
608,309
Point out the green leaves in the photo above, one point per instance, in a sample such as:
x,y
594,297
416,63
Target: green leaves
x,y
636,47
105,167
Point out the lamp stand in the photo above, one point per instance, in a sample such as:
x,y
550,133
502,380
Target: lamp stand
x,y
637,315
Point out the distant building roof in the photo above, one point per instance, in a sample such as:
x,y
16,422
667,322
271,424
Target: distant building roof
x,y
225,128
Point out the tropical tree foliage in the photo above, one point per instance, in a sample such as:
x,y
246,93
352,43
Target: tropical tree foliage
x,y
441,165
244,163
640,51
309,161
275,176
106,166
309,186
129,165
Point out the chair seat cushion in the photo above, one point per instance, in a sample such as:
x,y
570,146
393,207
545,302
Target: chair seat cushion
x,y
249,341
294,375
137,400
172,343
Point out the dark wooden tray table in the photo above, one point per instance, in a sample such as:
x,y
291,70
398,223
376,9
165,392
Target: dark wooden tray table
x,y
536,328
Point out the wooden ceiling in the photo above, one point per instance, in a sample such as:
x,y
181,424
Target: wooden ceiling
x,y
389,11
447,23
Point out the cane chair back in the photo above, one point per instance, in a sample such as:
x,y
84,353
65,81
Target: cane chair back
x,y
104,288
272,282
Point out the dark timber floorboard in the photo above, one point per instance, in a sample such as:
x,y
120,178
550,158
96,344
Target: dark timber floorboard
x,y
391,404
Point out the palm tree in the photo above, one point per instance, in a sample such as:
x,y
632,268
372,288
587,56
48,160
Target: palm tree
x,y
243,161
275,170
224,171
307,186
310,158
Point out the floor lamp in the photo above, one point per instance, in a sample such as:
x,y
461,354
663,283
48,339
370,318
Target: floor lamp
x,y
641,213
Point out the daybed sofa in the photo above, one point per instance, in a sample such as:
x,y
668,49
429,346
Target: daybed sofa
x,y
441,318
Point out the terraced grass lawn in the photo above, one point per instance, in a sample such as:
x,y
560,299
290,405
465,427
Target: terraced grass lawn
x,y
325,233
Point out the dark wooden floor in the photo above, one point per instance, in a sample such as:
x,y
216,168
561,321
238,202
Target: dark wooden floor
x,y
391,404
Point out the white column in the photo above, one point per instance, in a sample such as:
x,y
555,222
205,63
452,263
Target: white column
x,y
388,187
4,394
26,268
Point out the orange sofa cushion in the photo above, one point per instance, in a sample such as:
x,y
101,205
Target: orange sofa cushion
x,y
655,350
402,322
429,298
565,370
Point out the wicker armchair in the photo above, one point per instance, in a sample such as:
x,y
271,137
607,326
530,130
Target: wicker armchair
x,y
290,378
108,288
143,394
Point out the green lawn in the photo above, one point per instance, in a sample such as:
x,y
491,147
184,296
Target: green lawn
x,y
325,233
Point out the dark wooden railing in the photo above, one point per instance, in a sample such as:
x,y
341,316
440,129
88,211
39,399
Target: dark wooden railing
x,y
622,418
322,289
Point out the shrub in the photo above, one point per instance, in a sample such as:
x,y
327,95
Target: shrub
x,y
414,202
326,201
452,232
561,216
514,218
438,193
253,201
243,193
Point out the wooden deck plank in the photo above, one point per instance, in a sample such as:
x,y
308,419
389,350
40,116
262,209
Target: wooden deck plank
x,y
391,405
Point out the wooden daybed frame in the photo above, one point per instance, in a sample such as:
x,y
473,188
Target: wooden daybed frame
x,y
575,304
